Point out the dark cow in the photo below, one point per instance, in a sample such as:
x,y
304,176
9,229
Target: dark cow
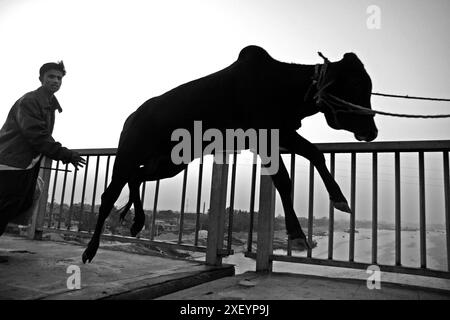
x,y
257,92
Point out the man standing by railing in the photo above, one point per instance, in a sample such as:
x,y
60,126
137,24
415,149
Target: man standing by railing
x,y
25,138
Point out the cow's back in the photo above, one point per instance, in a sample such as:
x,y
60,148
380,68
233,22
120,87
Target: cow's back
x,y
229,98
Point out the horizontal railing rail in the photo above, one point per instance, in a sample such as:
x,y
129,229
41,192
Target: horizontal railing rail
x,y
386,146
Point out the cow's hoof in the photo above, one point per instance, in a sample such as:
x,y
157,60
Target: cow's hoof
x,y
90,251
343,206
301,244
136,228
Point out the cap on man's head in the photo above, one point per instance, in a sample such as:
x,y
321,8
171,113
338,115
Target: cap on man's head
x,y
52,66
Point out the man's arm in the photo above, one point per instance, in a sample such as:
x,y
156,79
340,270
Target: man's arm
x,y
34,129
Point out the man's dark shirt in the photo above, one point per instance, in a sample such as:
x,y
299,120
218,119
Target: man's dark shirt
x,y
27,132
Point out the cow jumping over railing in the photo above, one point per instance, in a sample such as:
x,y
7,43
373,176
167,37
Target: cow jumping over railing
x,y
257,92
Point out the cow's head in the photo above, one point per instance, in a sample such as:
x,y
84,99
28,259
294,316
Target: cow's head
x,y
349,81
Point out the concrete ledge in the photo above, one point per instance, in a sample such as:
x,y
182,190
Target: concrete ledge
x,y
169,284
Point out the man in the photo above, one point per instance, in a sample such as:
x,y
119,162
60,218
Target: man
x,y
25,138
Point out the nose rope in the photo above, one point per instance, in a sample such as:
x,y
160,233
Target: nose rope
x,y
323,99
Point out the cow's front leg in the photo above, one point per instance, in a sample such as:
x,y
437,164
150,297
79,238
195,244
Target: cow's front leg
x,y
282,183
299,145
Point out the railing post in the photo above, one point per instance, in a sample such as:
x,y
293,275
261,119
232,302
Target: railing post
x,y
265,224
35,229
447,206
216,219
422,211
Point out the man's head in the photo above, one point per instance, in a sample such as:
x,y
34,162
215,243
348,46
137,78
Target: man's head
x,y
51,74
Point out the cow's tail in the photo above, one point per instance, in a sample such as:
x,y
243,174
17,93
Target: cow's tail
x,y
124,210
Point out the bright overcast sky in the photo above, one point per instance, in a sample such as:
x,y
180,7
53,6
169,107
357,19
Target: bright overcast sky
x,y
120,53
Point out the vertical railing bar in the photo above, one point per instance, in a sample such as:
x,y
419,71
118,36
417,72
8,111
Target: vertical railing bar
x,y
183,199
91,218
289,244
83,192
423,252
199,200
107,172
331,211
108,159
374,207
352,206
252,205
447,206
52,203
72,197
231,211
155,205
63,193
310,207
292,173
398,201
144,184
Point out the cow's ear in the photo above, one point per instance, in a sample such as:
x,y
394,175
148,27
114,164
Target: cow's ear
x,y
350,60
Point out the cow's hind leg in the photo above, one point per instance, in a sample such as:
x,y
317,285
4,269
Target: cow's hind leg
x,y
134,199
139,215
133,186
109,197
124,210
157,168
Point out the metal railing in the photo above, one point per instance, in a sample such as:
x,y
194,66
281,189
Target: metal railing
x,y
60,220
264,255
59,212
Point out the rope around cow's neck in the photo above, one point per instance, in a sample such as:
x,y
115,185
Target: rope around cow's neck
x,y
322,98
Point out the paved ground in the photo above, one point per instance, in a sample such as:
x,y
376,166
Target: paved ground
x,y
288,286
38,270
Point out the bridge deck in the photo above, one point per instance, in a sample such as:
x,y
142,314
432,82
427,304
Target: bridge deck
x,y
289,286
38,270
